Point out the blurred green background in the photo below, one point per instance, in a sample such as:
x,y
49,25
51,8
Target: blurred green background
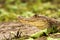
x,y
11,9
